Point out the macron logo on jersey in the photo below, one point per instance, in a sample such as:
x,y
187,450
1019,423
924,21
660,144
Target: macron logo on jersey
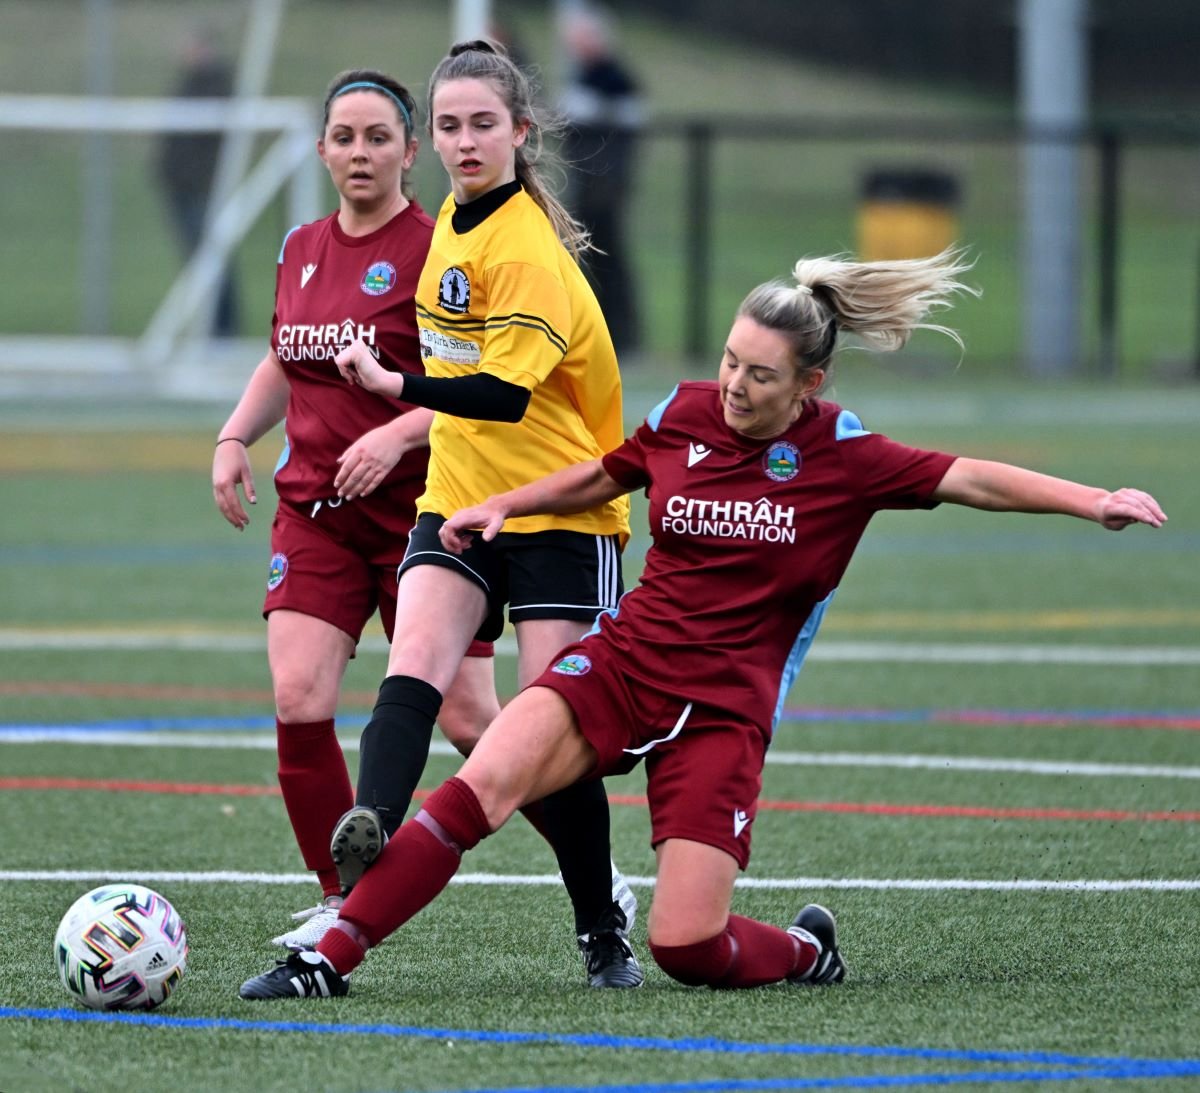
x,y
306,273
697,452
740,820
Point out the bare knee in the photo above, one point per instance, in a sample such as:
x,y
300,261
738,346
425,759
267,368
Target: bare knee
x,y
693,893
463,718
470,704
307,657
689,919
682,929
299,697
687,932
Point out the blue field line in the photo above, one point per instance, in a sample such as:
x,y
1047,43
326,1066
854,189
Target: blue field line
x,y
802,715
1101,1065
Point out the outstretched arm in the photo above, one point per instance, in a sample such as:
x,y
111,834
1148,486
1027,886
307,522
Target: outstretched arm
x,y
1001,487
576,488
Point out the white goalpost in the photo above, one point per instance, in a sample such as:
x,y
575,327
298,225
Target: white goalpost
x,y
161,354
174,356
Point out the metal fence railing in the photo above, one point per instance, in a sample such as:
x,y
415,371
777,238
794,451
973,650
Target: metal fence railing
x,y
723,203
718,204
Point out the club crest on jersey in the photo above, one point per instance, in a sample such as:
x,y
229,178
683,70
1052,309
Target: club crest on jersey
x,y
276,571
454,291
380,277
782,461
574,665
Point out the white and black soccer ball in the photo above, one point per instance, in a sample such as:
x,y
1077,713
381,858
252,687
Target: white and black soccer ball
x,y
121,946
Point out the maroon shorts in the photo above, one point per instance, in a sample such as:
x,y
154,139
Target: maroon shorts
x,y
337,562
703,766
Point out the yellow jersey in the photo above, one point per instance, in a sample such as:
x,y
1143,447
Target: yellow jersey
x,y
506,298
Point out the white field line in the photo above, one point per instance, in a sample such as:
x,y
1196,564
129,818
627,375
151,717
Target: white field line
x,y
40,734
989,766
546,879
208,641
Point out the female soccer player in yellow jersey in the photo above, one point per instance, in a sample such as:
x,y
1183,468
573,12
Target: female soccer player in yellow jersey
x,y
521,371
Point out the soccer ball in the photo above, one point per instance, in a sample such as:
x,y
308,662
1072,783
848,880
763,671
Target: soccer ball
x,y
121,946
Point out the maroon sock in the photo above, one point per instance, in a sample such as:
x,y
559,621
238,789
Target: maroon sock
x,y
343,946
415,865
316,791
747,953
764,953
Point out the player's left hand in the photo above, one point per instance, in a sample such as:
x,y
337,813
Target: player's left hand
x,y
358,365
1123,507
366,463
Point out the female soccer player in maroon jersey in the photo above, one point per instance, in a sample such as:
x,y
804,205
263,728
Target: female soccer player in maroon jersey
x,y
351,274
759,493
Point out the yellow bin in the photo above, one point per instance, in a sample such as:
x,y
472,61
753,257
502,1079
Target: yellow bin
x,y
907,213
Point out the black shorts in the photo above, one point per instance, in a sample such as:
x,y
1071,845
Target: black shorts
x,y
539,574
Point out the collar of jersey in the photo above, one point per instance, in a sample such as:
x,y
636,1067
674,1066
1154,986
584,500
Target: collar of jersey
x,y
474,213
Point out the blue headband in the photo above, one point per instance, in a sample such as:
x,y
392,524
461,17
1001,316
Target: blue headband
x,y
362,85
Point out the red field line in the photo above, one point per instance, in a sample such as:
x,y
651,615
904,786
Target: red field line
x,y
157,692
123,785
870,808
971,812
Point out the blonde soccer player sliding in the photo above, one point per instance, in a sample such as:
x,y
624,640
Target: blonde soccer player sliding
x,y
760,491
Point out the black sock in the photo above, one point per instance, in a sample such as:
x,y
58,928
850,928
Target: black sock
x,y
395,747
577,823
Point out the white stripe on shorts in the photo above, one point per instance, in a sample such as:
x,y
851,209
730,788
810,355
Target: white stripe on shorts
x,y
596,608
608,559
662,740
452,557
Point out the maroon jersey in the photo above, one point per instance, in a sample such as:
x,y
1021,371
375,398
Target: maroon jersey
x,y
331,288
750,539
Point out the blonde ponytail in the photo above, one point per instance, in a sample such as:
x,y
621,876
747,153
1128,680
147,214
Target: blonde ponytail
x,y
881,303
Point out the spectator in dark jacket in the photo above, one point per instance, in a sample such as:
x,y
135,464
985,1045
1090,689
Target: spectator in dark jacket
x,y
187,162
603,108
